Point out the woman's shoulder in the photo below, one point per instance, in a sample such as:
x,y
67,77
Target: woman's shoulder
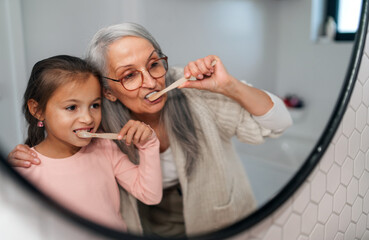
x,y
175,72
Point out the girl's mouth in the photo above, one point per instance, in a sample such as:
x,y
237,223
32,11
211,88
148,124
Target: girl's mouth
x,y
83,130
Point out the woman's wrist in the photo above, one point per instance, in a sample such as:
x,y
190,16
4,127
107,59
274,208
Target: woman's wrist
x,y
254,100
231,89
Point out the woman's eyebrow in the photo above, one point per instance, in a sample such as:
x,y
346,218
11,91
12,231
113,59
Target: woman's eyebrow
x,y
124,66
151,56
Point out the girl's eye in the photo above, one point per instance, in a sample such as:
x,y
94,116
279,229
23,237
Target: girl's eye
x,y
95,105
71,108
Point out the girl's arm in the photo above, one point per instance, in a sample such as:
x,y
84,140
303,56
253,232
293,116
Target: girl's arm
x,y
143,181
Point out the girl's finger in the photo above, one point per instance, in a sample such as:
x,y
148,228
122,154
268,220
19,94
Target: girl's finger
x,y
146,134
130,133
138,134
125,128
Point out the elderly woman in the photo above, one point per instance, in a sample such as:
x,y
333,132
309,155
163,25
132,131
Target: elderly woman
x,y
205,186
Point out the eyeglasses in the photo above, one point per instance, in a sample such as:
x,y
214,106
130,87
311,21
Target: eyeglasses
x,y
133,78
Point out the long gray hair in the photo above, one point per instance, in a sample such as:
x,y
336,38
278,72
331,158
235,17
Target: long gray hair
x,y
176,113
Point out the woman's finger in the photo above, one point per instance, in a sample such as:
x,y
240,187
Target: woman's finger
x,y
25,156
194,70
20,163
23,153
201,65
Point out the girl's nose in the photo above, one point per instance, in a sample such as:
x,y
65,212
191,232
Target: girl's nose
x,y
86,117
147,80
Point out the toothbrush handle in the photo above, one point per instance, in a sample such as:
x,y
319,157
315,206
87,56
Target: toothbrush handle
x,y
105,135
175,85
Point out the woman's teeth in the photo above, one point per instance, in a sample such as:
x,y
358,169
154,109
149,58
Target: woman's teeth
x,y
148,95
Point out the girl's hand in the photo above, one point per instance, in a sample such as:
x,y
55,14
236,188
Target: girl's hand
x,y
136,132
23,156
212,78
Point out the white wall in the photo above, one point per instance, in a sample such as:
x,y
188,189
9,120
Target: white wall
x,y
236,30
313,71
333,202
186,30
264,42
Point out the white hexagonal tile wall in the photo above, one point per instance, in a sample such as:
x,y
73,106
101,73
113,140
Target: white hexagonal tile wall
x,y
333,203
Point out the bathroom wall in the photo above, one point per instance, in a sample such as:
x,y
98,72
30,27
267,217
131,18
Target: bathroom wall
x,y
333,203
312,70
259,41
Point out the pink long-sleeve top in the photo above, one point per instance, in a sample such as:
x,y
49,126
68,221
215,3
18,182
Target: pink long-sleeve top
x,y
86,182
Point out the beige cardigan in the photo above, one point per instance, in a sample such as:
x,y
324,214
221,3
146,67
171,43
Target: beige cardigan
x,y
218,192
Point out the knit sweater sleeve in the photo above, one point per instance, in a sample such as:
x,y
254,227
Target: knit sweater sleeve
x,y
231,119
143,181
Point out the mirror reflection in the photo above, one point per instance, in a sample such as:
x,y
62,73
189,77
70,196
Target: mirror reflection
x,y
255,41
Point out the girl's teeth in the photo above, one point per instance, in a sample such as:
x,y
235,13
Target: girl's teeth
x,y
84,130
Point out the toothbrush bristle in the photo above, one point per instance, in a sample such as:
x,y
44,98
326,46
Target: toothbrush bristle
x,y
83,134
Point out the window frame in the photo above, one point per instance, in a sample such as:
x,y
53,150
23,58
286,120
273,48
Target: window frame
x,y
332,10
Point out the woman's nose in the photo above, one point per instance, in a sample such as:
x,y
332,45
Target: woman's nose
x,y
147,80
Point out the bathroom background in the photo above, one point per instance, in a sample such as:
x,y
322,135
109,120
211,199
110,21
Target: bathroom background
x,y
269,43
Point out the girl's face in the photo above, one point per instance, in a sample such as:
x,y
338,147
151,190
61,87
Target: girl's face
x,y
75,106
127,54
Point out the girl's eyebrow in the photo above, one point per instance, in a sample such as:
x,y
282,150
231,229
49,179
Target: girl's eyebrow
x,y
76,100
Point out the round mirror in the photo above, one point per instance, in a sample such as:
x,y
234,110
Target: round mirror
x,y
272,45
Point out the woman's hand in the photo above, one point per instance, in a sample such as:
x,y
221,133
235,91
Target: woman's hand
x,y
23,156
217,79
212,78
136,132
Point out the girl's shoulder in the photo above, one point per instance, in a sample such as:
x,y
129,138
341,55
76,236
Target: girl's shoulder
x,y
101,144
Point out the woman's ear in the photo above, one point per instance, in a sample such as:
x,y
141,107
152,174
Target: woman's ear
x,y
33,109
109,95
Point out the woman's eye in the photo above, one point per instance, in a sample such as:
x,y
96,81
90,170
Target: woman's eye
x,y
154,64
129,76
71,108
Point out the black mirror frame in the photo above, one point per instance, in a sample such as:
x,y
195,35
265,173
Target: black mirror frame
x,y
273,204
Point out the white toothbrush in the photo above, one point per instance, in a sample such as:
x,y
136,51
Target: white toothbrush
x,y
174,85
97,135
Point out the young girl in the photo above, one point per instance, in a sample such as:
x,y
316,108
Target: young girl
x,y
63,97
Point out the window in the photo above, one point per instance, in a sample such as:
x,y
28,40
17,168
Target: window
x,y
346,15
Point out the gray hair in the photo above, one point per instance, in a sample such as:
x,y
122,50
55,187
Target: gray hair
x,y
176,113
